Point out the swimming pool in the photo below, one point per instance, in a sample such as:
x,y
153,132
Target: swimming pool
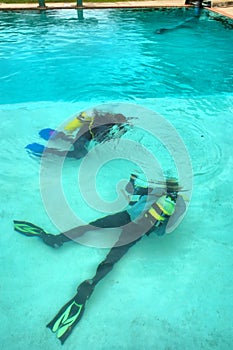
x,y
174,292
111,55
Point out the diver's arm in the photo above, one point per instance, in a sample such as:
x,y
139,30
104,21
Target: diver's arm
x,y
161,230
143,191
132,189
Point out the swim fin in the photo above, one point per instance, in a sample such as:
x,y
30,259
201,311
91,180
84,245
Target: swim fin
x,y
31,230
35,149
71,313
47,133
28,229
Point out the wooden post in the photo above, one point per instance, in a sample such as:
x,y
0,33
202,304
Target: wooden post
x,y
79,3
41,4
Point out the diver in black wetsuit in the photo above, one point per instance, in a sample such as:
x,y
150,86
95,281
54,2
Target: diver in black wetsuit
x,y
138,203
99,127
141,200
151,211
197,12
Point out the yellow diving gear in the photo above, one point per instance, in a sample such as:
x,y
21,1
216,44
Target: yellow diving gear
x,y
166,204
78,122
73,125
162,209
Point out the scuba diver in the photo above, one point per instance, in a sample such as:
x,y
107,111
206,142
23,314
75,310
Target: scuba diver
x,y
197,13
150,209
98,126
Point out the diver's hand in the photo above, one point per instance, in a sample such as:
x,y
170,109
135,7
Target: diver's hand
x,y
133,176
84,291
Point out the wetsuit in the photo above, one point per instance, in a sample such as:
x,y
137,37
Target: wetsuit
x,y
142,199
139,202
131,234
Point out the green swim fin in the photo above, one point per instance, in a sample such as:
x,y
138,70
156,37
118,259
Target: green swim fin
x,y
31,230
28,229
71,313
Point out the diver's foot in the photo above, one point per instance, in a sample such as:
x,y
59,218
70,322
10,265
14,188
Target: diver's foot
x,y
54,241
85,290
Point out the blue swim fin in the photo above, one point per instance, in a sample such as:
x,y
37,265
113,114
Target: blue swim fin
x,y
48,133
35,149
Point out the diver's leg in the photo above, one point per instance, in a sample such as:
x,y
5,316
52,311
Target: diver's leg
x,y
77,153
110,221
29,229
71,313
115,220
80,148
130,235
117,252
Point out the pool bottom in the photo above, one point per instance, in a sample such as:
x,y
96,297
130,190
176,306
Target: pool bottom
x,y
167,292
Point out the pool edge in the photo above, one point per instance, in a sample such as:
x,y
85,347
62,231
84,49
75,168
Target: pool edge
x,y
223,11
93,5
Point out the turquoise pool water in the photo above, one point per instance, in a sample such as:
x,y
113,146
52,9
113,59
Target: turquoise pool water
x,y
111,55
173,292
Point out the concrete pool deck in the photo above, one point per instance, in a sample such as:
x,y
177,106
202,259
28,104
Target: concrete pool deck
x,y
93,5
218,6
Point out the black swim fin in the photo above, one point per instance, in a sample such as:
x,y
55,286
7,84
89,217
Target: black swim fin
x,y
28,229
71,313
